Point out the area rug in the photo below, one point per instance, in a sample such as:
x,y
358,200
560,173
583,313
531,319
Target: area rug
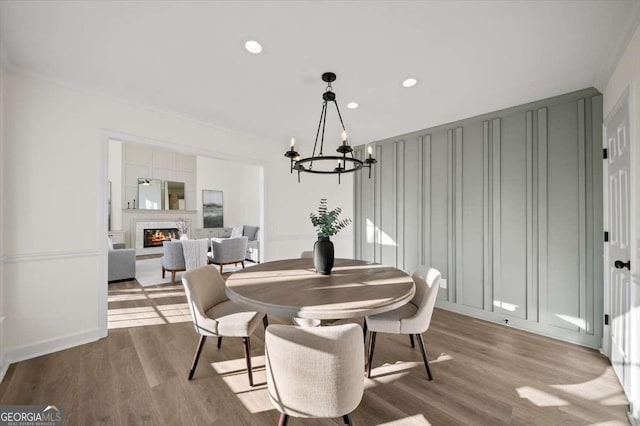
x,y
149,272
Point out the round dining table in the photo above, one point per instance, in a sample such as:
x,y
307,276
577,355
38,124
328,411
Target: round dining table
x,y
292,288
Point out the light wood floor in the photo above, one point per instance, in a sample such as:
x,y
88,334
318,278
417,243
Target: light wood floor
x,y
484,374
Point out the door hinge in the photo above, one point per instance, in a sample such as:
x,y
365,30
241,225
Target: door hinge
x,y
605,153
606,319
606,236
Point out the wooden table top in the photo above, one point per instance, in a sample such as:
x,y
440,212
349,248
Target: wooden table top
x,y
291,288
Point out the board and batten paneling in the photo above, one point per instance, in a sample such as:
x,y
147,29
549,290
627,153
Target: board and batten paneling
x,y
506,205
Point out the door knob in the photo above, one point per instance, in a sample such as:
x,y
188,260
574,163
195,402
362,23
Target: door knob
x,y
619,264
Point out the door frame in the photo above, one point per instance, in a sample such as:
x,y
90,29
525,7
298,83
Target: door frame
x,y
626,97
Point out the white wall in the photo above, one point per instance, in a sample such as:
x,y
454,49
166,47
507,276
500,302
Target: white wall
x,y
240,184
3,364
55,203
627,75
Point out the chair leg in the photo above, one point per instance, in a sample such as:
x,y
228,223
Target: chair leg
x,y
424,356
372,344
219,341
413,344
347,419
247,355
242,264
163,271
173,277
265,321
221,269
364,330
197,356
283,420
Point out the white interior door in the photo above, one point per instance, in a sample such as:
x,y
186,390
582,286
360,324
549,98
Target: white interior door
x,y
618,256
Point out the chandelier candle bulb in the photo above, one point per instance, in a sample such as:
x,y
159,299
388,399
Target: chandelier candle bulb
x,y
293,142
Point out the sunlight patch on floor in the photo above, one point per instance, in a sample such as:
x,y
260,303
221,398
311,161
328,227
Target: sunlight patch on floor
x,y
388,373
234,373
148,315
442,358
126,297
418,419
540,398
598,389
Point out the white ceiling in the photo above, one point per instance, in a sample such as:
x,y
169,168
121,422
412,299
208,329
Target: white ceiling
x,y
188,57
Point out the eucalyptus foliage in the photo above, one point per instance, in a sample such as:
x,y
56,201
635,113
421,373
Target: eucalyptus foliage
x,y
327,222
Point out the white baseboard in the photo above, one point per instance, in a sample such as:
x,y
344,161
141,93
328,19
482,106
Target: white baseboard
x,y
582,339
53,345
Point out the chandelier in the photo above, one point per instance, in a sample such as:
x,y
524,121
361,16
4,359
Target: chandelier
x,y
344,162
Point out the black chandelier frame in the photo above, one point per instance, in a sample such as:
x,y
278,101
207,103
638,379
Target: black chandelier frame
x,y
347,162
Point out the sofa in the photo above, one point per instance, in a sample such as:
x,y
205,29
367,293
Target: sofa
x,y
121,263
253,243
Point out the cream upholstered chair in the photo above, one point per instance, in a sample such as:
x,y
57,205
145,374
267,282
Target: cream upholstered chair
x,y
215,315
412,319
227,251
314,372
306,255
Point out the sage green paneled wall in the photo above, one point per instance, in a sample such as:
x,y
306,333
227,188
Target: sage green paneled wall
x,y
508,206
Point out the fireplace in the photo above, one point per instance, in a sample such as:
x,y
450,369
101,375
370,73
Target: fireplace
x,y
155,236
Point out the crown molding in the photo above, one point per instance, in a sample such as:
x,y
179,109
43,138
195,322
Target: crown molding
x,y
86,90
610,62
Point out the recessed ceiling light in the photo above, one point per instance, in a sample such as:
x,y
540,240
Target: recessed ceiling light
x,y
253,46
410,82
352,105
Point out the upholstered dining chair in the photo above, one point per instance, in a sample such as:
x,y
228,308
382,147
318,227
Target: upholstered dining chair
x,y
228,251
306,255
314,372
215,315
412,319
172,258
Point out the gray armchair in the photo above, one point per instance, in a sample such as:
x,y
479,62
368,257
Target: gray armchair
x,y
173,258
121,263
228,251
253,244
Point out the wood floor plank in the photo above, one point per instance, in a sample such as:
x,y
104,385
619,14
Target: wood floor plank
x,y
485,374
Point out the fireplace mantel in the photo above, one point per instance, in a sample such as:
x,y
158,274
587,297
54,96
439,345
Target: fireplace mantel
x,y
160,212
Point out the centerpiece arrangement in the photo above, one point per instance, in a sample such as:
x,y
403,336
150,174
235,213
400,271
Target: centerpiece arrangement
x,y
327,224
183,227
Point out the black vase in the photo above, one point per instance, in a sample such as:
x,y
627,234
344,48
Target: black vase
x,y
323,255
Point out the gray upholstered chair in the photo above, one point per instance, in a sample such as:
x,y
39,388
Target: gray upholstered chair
x,y
228,251
306,255
412,319
314,372
121,263
215,315
253,243
173,258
